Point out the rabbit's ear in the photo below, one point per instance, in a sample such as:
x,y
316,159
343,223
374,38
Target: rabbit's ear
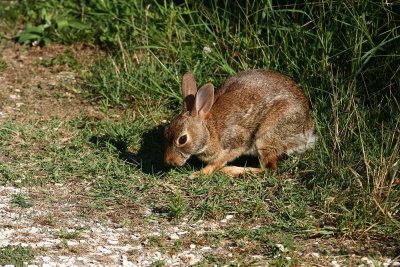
x,y
189,90
204,100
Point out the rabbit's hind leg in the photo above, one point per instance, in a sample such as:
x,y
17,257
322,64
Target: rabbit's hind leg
x,y
268,156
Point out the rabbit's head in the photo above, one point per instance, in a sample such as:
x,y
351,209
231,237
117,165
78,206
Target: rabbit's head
x,y
187,134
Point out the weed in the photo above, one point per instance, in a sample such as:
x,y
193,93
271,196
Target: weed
x,y
3,64
66,59
68,234
158,263
176,207
156,241
9,14
34,35
51,220
15,255
216,260
21,200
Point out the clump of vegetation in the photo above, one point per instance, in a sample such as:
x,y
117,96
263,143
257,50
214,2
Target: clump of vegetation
x,y
15,255
21,200
3,65
68,234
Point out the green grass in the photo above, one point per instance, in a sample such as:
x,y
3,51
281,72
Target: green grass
x,y
9,14
15,255
345,56
59,61
66,234
158,263
21,200
3,65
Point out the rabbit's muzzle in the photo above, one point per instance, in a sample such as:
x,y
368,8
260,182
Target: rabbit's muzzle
x,y
175,158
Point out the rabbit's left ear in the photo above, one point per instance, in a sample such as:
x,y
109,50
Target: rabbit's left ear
x,y
204,100
189,90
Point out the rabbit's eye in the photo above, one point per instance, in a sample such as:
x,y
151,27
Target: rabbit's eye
x,y
182,140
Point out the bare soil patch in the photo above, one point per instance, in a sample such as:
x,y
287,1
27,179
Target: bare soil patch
x,y
32,91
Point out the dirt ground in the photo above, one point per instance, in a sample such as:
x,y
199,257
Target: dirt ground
x,y
30,91
28,85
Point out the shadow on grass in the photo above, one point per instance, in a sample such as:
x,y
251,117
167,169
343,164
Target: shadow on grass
x,y
149,158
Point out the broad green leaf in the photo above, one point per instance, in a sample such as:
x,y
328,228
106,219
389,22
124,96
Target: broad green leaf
x,y
26,37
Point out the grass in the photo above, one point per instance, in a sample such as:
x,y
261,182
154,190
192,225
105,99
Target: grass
x,y
3,65
15,255
68,234
159,263
9,13
345,56
21,200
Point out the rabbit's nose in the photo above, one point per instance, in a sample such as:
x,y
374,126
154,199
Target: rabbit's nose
x,y
169,160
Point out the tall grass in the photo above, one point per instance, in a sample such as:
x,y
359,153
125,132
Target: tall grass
x,y
345,55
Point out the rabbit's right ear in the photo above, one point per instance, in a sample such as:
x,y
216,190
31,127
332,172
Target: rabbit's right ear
x,y
204,101
189,90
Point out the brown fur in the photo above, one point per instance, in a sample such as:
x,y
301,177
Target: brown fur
x,y
255,112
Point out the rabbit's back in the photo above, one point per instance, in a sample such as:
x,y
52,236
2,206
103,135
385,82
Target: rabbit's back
x,y
267,85
250,105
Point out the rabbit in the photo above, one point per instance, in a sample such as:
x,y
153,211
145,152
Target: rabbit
x,y
255,112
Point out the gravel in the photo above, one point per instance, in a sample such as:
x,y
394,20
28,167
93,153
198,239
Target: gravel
x,y
93,242
99,243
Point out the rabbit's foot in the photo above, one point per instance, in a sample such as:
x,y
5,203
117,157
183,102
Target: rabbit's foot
x,y
228,170
209,169
238,171
195,175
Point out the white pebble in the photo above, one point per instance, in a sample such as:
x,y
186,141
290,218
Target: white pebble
x,y
182,232
368,261
280,247
125,262
34,230
104,250
72,243
135,237
335,264
174,236
227,218
14,96
113,242
63,258
154,234
207,50
315,254
46,258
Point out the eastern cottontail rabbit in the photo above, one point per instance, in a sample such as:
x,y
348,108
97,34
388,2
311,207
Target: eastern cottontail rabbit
x,y
255,112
